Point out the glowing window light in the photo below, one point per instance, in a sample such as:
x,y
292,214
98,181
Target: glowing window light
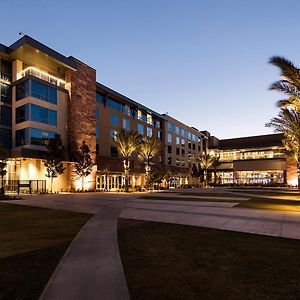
x,y
42,75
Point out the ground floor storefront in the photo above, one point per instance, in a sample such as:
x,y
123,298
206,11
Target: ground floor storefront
x,y
261,177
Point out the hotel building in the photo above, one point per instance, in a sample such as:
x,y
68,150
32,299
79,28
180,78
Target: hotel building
x,y
182,147
44,92
253,160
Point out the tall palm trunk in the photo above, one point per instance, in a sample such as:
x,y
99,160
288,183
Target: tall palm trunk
x,y
147,172
205,178
126,164
82,183
51,184
215,177
298,173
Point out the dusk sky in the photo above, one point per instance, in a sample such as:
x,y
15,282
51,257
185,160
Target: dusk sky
x,y
203,62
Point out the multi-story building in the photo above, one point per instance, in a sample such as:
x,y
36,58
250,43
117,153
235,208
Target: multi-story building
x,y
44,93
183,145
114,112
253,160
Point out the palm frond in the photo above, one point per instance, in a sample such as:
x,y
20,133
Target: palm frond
x,y
287,68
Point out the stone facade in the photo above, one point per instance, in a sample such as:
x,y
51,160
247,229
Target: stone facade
x,y
81,85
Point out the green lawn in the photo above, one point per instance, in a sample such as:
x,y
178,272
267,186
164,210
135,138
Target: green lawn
x,y
164,261
183,198
274,204
32,241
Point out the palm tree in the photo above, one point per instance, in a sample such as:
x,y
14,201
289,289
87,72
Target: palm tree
x,y
289,83
127,143
148,148
3,172
216,162
288,123
205,162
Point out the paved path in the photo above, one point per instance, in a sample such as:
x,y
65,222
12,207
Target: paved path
x,y
219,215
91,268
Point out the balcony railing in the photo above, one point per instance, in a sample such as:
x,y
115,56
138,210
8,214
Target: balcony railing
x,y
42,75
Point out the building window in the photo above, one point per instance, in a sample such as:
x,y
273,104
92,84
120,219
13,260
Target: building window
x,y
5,93
97,132
182,142
126,124
149,119
97,113
22,113
189,135
171,127
114,120
190,145
177,130
113,134
100,98
169,160
141,116
22,90
113,151
5,116
183,132
43,92
177,151
40,137
140,129
169,149
5,138
159,135
149,131
157,124
182,152
169,138
43,115
22,137
177,140
5,70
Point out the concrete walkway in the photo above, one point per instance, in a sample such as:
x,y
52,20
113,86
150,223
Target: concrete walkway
x,y
91,267
218,215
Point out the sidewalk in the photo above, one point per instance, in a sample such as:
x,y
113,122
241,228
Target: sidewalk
x,y
91,268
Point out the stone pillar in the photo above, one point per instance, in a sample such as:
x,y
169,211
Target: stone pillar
x,y
81,85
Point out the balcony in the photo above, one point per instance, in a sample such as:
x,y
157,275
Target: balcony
x,y
42,75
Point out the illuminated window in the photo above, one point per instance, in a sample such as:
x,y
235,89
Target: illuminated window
x,y
169,138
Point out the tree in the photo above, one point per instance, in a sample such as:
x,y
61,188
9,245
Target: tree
x,y
288,123
148,148
54,158
289,84
216,162
205,162
3,172
288,119
127,143
83,162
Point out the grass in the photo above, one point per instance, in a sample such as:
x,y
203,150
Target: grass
x,y
174,198
32,241
164,261
274,204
